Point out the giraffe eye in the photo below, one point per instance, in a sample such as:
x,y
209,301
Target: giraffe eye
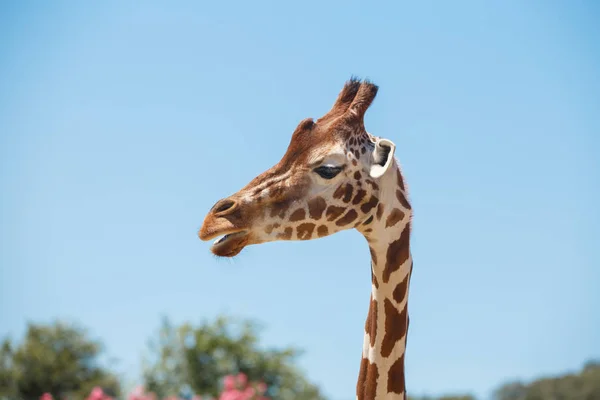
x,y
328,171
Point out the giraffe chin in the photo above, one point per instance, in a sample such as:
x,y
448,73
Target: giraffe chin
x,y
230,245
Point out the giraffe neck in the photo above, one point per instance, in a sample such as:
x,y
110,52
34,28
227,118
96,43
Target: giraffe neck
x,y
381,373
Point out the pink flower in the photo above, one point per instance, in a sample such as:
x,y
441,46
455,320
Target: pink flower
x,y
137,393
229,382
230,395
96,394
46,396
248,393
242,380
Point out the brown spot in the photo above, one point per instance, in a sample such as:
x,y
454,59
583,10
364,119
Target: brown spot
x,y
402,199
371,323
357,153
368,221
348,193
357,175
360,194
279,208
379,211
298,215
333,212
269,228
322,231
354,162
362,378
400,291
305,230
373,255
400,180
374,280
286,234
368,230
346,219
363,150
373,184
316,207
373,201
396,376
371,383
397,253
395,327
395,216
339,192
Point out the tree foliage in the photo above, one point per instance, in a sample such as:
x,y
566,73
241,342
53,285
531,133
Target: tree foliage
x,y
58,359
199,357
7,373
583,385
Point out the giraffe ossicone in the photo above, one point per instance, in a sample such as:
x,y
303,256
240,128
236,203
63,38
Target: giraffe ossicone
x,y
336,176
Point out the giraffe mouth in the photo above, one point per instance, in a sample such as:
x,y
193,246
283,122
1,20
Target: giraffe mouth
x,y
230,244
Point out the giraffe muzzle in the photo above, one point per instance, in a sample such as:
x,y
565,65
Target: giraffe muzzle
x,y
230,245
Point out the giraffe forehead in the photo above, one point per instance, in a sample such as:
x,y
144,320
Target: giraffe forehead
x,y
330,152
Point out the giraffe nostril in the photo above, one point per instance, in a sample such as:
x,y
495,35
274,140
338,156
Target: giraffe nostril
x,y
223,206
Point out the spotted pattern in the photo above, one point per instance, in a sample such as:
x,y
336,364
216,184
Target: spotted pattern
x,y
402,199
316,207
360,195
333,212
305,230
395,381
400,291
395,327
397,253
278,209
380,208
286,234
297,215
371,384
396,215
322,231
366,388
371,323
285,195
366,207
269,228
374,280
347,218
348,193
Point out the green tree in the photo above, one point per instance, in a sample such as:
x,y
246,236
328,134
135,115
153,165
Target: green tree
x,y
583,385
200,356
56,358
7,375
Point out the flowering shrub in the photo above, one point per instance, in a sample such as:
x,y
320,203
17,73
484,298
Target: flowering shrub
x,y
235,387
98,394
238,388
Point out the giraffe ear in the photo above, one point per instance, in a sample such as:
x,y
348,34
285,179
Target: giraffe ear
x,y
383,155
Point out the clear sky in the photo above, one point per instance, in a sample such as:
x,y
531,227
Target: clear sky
x,y
121,123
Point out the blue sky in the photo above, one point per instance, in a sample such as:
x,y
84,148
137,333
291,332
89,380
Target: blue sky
x,y
121,124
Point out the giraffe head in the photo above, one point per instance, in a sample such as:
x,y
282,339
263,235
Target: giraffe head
x,y
327,181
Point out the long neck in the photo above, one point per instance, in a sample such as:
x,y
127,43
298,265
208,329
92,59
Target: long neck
x,y
381,374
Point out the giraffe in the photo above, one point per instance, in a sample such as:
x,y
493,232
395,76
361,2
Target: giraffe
x,y
336,176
